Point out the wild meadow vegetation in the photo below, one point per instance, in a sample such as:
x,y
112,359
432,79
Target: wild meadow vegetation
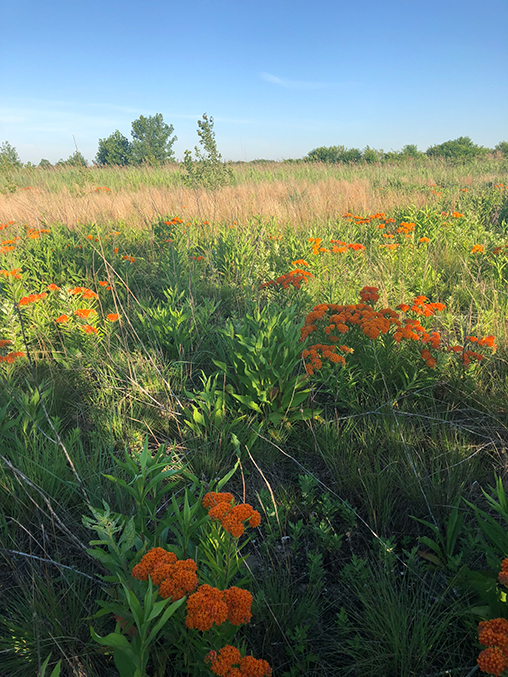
x,y
254,428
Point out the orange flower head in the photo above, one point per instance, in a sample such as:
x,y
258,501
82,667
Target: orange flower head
x,y
205,608
239,604
112,317
214,498
150,561
62,318
84,313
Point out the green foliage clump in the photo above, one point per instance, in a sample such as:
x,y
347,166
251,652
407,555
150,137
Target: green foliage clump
x,y
115,150
208,169
9,157
334,154
75,160
152,141
461,148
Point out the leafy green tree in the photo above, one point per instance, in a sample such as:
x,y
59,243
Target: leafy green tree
x,y
9,157
410,150
74,160
461,148
44,164
208,169
115,150
334,154
502,147
152,141
371,155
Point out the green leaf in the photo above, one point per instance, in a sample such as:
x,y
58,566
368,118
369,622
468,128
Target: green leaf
x,y
222,365
162,621
114,639
125,665
228,476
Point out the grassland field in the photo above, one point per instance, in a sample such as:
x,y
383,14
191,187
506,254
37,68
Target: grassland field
x,y
337,334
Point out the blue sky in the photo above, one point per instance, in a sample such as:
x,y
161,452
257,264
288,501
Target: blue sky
x,y
280,78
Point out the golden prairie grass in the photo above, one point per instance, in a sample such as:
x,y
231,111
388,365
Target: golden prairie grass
x,y
299,202
299,194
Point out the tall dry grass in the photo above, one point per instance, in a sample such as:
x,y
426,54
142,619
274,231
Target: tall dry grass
x,y
302,194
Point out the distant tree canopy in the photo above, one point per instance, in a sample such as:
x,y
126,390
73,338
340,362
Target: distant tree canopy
x,y
151,143
74,160
115,150
502,147
458,149
9,157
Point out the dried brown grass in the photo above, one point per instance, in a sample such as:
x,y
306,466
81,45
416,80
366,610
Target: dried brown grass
x,y
298,201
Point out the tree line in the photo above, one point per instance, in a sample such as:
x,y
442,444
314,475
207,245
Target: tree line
x,y
461,148
152,143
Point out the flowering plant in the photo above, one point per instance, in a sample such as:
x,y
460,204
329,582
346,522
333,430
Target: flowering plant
x,y
201,603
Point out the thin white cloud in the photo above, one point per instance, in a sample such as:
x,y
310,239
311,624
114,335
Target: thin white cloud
x,y
294,84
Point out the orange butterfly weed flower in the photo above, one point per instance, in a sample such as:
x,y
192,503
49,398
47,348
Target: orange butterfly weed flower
x,y
205,608
103,283
154,558
62,318
424,240
503,574
89,329
232,518
176,580
239,604
84,313
215,497
229,663
222,663
4,342
53,287
112,317
131,259
31,298
492,660
477,249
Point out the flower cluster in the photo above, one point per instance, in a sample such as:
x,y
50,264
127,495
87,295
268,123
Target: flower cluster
x,y
336,319
229,663
466,355
293,278
338,246
175,578
210,606
12,356
15,273
231,517
31,298
494,635
503,574
85,293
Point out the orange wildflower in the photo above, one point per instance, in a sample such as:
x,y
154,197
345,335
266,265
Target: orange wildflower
x,y
477,249
112,317
214,498
503,574
4,342
53,287
150,561
84,313
62,318
205,608
89,329
239,604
